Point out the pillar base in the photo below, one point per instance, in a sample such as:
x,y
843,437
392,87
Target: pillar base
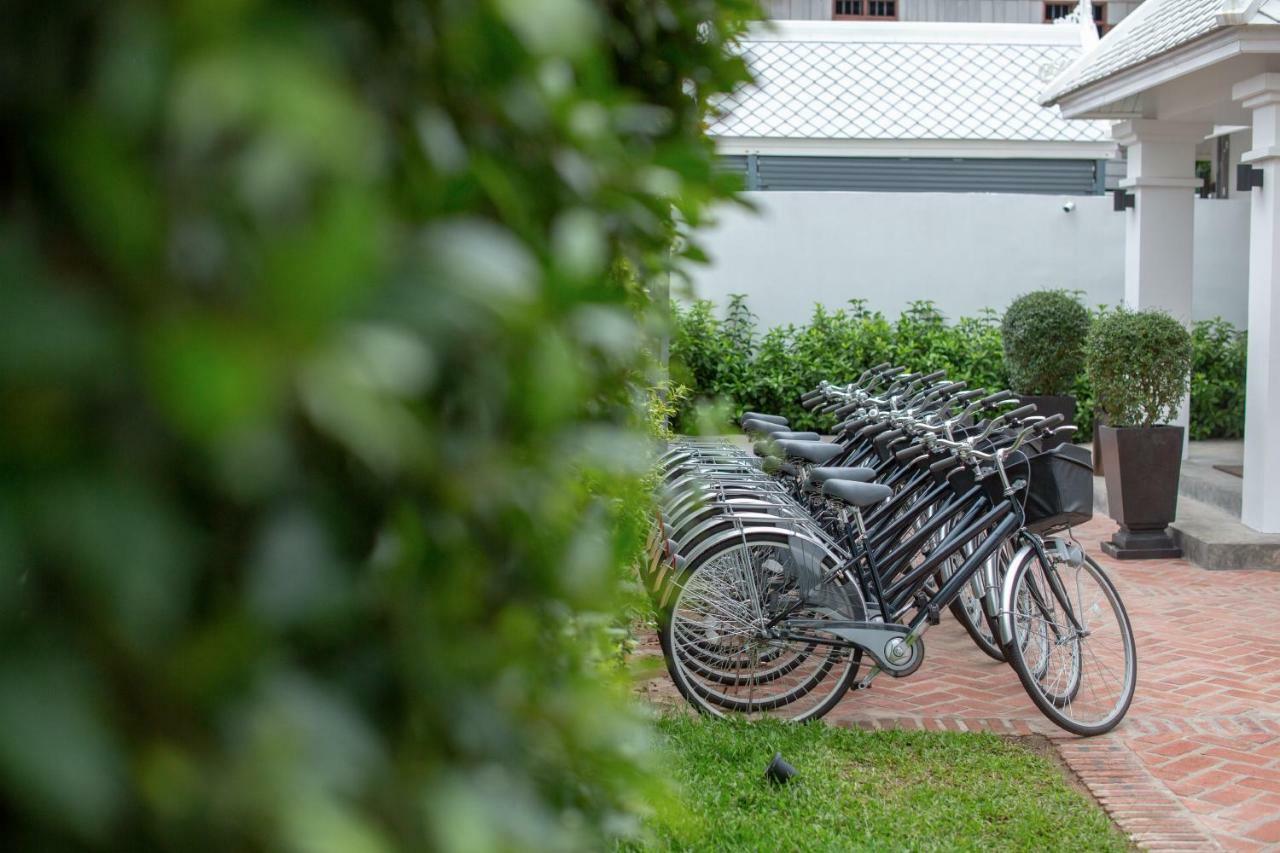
x,y
1129,544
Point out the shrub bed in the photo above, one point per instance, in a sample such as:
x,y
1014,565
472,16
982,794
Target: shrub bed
x,y
732,362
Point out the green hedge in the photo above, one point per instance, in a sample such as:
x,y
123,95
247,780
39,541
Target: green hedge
x,y
733,362
319,434
1218,359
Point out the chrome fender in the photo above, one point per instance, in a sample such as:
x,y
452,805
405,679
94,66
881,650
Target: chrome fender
x,y
1006,593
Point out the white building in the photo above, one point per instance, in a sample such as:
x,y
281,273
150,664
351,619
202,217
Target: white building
x,y
893,162
1173,75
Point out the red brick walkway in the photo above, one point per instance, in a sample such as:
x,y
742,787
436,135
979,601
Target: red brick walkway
x,y
1196,764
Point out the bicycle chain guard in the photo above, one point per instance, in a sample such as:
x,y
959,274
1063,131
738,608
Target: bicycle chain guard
x,y
890,646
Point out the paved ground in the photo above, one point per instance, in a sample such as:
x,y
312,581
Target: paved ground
x,y
1196,764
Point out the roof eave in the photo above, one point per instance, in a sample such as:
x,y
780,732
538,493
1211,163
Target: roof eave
x,y
1098,99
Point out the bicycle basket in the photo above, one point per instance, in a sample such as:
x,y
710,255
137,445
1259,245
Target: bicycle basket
x,y
1059,487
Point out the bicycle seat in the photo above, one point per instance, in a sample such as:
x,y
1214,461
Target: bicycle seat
x,y
856,494
753,425
758,416
795,436
816,452
856,475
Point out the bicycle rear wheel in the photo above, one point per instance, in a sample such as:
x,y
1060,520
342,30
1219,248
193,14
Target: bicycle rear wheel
x,y
1072,645
722,661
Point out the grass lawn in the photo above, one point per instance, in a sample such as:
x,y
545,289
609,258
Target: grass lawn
x,y
869,790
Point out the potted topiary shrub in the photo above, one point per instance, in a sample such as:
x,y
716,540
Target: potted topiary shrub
x,y
1043,334
1139,364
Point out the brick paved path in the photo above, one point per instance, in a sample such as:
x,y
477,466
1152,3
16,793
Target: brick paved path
x,y
1196,764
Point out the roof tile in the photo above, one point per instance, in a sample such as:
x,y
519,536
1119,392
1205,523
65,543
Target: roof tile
x,y
1155,27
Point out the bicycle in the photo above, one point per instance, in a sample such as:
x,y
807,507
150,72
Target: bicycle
x,y
771,605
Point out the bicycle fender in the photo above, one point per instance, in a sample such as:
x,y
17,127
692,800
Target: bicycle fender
x,y
1006,593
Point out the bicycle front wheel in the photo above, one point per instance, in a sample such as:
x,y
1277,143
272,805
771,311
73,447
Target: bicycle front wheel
x,y
1072,644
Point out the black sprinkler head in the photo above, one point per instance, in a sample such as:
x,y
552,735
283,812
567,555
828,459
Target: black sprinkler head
x,y
779,771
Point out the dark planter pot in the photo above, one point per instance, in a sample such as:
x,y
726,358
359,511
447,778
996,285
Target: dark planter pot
x,y
1064,405
1099,421
1142,467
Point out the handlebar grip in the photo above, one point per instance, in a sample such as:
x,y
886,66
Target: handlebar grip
x,y
942,391
885,439
932,377
808,405
810,395
911,453
846,409
943,465
966,396
1050,423
874,429
889,372
946,387
998,397
851,425
1019,413
875,371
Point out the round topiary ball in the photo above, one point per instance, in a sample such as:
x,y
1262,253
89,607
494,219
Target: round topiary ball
x,y
1139,365
1043,335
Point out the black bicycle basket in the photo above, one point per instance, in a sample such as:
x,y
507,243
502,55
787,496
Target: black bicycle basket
x,y
1059,491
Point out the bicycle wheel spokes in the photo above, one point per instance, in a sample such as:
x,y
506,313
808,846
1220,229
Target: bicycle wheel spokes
x,y
1073,646
1042,631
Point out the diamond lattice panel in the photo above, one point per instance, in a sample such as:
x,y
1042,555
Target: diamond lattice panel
x,y
868,90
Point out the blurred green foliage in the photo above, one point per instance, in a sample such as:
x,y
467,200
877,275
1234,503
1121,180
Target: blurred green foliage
x,y
320,434
730,360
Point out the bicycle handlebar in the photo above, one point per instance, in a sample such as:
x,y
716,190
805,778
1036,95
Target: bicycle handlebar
x,y
998,397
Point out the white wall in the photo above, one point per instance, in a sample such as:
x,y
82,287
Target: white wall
x,y
964,251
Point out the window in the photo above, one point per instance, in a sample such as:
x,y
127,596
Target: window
x,y
866,10
1054,11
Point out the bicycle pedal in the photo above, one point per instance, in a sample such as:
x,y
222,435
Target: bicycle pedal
x,y
932,616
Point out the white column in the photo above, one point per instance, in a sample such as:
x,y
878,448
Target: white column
x,y
1159,229
1261,507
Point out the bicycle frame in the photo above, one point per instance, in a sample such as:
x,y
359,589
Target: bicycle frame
x,y
877,639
